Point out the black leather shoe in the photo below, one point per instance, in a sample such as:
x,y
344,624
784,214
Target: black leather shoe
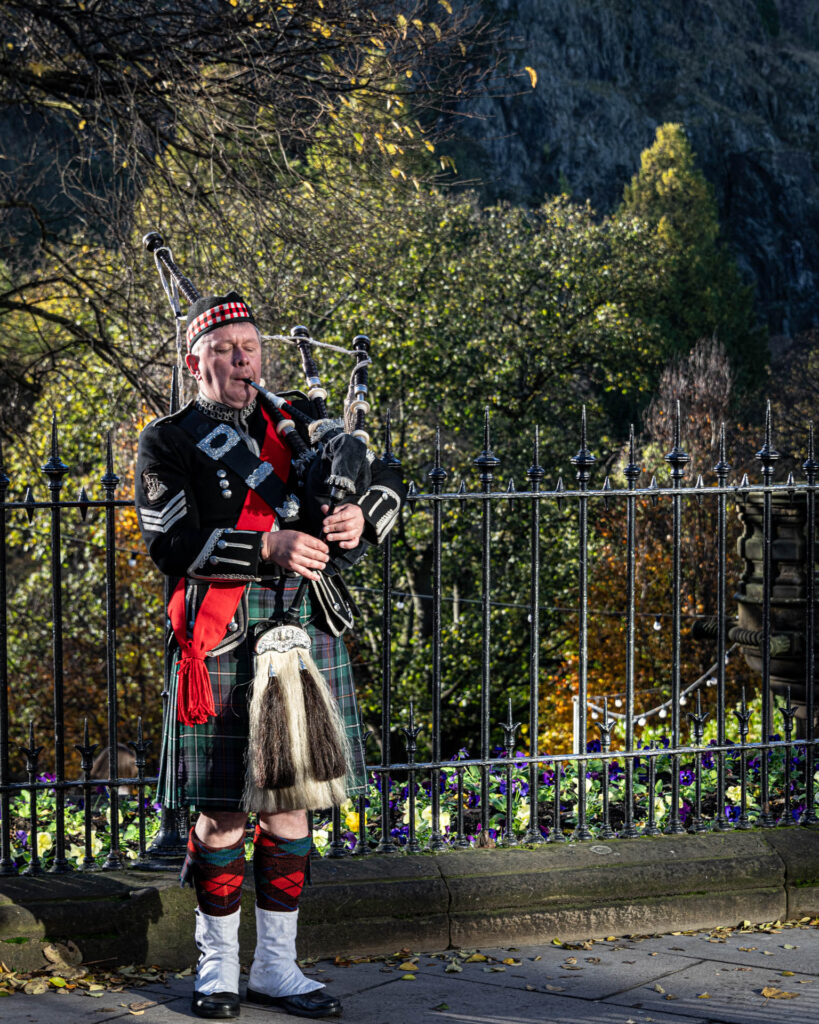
x,y
311,1004
215,1005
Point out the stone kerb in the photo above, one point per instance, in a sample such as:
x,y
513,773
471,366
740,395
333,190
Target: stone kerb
x,y
428,902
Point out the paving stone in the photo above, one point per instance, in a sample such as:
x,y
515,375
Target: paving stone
x,y
429,1000
734,994
755,949
72,1008
588,974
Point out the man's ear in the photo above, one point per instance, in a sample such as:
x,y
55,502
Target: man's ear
x,y
192,363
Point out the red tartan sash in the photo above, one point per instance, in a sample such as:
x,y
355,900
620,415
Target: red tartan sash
x,y
195,695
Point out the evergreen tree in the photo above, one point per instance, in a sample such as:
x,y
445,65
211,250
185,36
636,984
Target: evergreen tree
x,y
702,293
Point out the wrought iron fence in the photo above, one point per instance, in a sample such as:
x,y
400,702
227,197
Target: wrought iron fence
x,y
533,795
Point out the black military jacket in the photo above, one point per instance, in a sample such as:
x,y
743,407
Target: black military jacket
x,y
188,501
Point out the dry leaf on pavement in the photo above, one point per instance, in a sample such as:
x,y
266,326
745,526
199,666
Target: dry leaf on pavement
x,y
777,993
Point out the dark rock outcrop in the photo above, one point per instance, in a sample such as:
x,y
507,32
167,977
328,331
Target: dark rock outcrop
x,y
741,75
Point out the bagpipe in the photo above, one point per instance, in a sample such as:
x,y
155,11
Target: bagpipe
x,y
297,752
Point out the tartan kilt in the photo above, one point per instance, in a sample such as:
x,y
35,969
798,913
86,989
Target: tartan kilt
x,y
210,758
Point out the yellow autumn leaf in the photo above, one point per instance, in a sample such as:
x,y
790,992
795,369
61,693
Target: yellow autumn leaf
x,y
532,75
81,125
476,958
429,145
777,993
447,6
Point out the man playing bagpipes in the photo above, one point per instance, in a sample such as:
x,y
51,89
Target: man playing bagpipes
x,y
266,719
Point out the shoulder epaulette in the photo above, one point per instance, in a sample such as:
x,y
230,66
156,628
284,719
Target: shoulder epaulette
x,y
170,417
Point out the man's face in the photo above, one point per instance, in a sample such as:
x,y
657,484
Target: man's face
x,y
223,359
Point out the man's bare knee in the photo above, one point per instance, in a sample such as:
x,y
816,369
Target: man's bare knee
x,y
221,828
285,824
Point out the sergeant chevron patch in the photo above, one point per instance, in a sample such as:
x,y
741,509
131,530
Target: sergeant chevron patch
x,y
161,520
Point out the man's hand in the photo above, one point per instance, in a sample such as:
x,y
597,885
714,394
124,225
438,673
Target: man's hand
x,y
344,526
295,551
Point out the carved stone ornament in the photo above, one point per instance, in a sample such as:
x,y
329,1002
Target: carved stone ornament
x,y
282,639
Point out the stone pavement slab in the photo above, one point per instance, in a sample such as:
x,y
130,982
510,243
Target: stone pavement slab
x,y
756,949
596,973
734,993
71,1008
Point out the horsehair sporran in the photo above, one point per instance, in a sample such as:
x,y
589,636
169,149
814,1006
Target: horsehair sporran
x,y
308,747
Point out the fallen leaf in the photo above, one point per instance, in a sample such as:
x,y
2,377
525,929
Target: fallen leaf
x,y
660,989
557,942
570,960
476,958
766,952
408,966
441,1006
144,1005
777,993
668,995
36,987
570,967
787,974
184,974
554,988
530,988
611,938
704,995
453,967
493,969
57,982
407,977
746,949
592,959
511,962
534,958
787,946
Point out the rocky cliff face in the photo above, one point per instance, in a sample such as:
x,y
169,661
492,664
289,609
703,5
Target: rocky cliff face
x,y
741,75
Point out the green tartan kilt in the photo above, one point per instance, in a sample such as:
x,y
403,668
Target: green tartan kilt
x,y
210,759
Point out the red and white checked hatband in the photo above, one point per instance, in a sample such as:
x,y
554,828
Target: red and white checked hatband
x,y
214,317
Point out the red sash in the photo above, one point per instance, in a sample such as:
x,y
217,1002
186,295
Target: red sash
x,y
195,695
